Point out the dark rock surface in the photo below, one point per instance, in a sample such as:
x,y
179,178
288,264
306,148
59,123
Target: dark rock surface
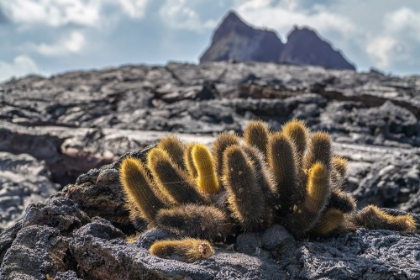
x,y
73,122
23,180
234,40
52,130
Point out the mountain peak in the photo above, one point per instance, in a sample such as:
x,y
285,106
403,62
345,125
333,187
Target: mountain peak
x,y
304,46
236,40
232,17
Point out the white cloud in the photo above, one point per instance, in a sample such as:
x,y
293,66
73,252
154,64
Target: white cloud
x,y
381,49
404,22
134,8
254,4
21,65
54,13
398,42
178,15
287,14
71,45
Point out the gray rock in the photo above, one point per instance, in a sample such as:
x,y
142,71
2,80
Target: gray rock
x,y
7,237
100,251
68,275
248,243
151,236
60,213
23,180
102,115
277,237
36,252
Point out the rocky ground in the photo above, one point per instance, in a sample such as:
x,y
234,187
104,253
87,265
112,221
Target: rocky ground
x,y
52,130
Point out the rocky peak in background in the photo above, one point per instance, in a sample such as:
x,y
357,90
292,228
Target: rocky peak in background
x,y
237,41
305,47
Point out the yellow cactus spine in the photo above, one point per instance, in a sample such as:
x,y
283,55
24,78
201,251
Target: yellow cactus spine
x,y
318,188
256,134
329,221
338,172
139,189
173,182
319,150
341,200
191,220
222,142
207,181
136,216
371,217
296,130
189,163
186,250
340,165
245,198
266,178
306,214
282,161
174,148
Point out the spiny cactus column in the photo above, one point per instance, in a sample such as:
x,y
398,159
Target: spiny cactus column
x,y
329,221
222,142
338,172
341,200
173,182
256,134
282,160
305,215
246,200
319,150
298,133
265,178
207,181
191,220
372,217
140,190
189,163
174,148
340,165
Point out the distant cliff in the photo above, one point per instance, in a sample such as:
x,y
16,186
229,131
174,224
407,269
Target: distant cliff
x,y
235,40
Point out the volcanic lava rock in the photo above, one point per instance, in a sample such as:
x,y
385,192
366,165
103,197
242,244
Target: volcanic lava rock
x,y
23,180
59,239
74,122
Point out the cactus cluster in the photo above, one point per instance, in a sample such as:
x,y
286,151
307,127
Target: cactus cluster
x,y
288,177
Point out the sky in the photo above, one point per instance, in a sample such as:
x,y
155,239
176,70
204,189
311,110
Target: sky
x,y
48,37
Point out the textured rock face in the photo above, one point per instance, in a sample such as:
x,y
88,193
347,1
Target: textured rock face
x,y
235,40
23,180
306,48
77,121
52,130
